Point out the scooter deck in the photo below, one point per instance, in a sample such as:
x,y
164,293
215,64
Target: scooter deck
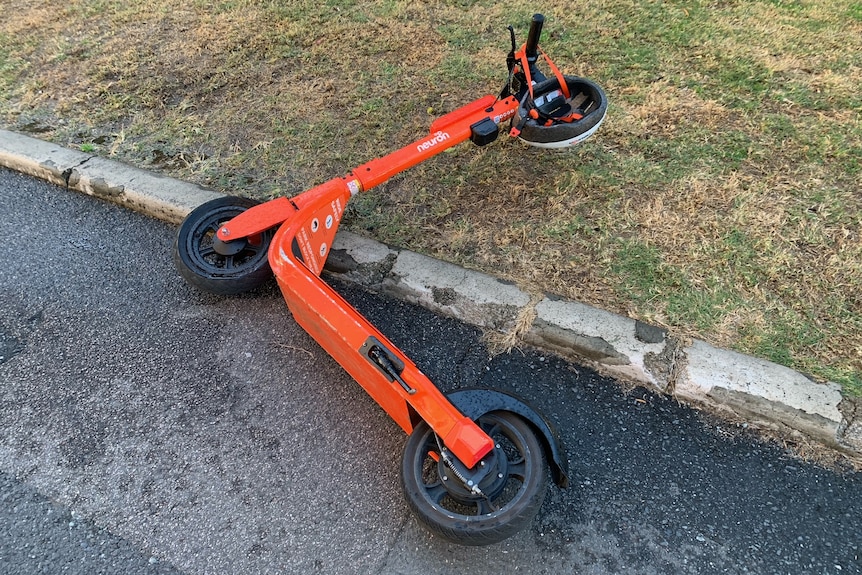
x,y
390,378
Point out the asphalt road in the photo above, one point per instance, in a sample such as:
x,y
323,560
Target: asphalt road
x,y
149,428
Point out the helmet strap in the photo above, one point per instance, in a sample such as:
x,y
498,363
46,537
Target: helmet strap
x,y
559,75
534,112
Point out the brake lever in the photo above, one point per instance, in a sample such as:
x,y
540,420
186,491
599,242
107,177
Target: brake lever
x,y
511,62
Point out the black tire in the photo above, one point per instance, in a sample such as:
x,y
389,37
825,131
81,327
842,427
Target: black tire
x,y
237,267
444,505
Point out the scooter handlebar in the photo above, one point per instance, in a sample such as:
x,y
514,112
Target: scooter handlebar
x,y
533,38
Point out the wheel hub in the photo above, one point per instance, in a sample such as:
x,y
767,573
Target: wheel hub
x,y
230,248
489,475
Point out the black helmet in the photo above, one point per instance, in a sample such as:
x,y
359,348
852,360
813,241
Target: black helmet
x,y
552,116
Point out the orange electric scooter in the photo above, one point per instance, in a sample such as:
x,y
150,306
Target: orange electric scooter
x,y
475,464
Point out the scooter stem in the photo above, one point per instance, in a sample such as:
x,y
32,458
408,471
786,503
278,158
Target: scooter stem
x,y
446,132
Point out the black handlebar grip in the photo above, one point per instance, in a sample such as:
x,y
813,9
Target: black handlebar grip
x,y
533,39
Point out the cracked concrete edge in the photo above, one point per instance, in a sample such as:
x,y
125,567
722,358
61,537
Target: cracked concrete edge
x,y
759,391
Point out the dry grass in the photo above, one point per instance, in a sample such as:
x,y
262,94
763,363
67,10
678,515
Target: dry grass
x,y
721,198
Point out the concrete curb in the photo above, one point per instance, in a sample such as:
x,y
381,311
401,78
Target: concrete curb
x,y
764,393
158,196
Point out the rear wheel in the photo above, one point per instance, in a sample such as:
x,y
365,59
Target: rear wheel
x,y
223,268
507,498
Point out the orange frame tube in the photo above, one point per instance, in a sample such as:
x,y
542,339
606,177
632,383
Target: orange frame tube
x,y
308,223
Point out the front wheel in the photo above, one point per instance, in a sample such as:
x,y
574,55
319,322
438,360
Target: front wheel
x,y
508,497
223,268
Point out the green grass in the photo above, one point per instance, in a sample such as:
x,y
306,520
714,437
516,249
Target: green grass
x,y
720,199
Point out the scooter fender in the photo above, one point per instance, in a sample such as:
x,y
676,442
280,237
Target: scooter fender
x,y
477,402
